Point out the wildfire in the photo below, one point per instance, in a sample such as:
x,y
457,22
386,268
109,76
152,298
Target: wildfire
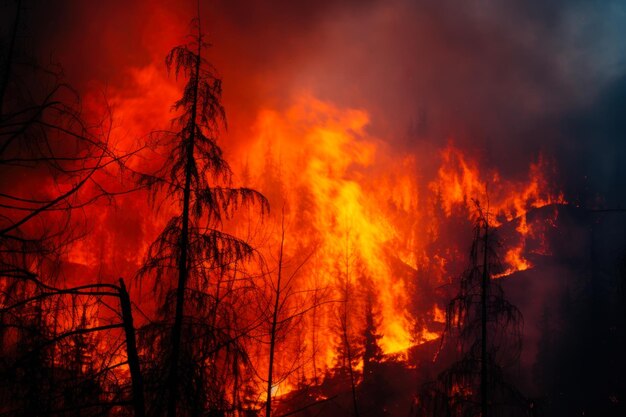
x,y
357,208
359,220
516,262
460,182
367,236
322,156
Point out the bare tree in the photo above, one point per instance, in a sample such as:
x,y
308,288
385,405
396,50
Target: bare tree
x,y
286,306
49,142
53,164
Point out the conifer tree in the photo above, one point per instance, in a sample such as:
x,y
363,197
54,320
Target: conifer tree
x,y
349,348
193,248
484,329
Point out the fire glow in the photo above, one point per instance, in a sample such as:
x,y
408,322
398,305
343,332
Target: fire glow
x,y
354,210
350,206
379,208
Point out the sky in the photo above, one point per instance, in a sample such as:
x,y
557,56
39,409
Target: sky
x,y
506,79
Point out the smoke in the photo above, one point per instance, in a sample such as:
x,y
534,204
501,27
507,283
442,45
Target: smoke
x,y
499,78
503,78
505,81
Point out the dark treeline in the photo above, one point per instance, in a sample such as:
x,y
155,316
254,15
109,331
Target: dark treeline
x,y
220,328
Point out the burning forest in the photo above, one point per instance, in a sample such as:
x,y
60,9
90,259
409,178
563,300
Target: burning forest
x,y
342,208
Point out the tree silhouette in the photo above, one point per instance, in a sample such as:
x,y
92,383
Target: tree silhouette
x,y
349,347
53,164
373,390
192,248
284,308
486,329
372,353
53,356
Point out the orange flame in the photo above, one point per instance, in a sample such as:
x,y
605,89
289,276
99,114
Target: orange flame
x,y
322,155
460,182
358,206
364,214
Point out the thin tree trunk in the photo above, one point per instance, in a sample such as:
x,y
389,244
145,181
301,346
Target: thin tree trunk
x,y
350,370
483,349
184,248
131,352
268,404
344,328
314,340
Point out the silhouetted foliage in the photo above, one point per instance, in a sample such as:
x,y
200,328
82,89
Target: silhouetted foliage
x,y
187,351
374,390
372,353
349,346
57,352
484,330
52,165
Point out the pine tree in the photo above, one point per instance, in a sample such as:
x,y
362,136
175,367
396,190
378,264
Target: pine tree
x,y
193,249
348,344
486,329
372,353
374,390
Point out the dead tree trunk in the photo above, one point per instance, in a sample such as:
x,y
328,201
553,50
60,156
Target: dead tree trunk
x,y
131,352
268,404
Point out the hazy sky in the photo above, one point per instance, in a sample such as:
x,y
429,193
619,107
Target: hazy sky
x,y
511,79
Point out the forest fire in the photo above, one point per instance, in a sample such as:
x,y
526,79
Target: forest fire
x,y
319,226
344,206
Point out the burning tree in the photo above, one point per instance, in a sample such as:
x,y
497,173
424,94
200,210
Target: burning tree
x,y
487,331
192,256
